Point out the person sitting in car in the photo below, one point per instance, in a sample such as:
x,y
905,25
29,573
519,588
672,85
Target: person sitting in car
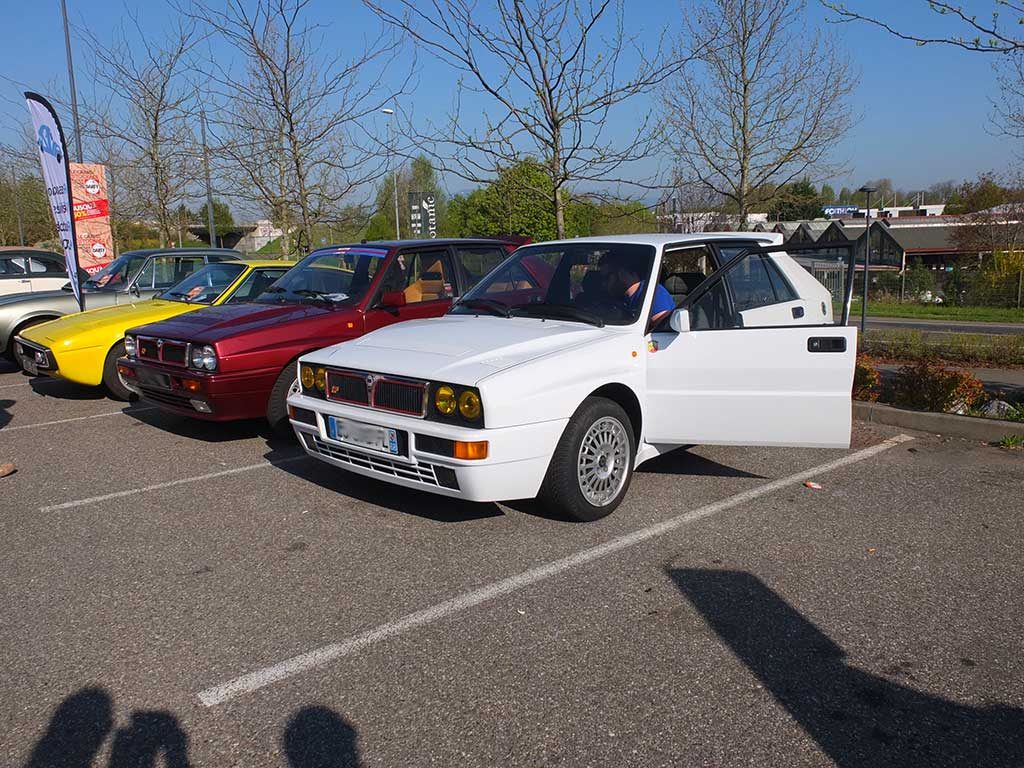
x,y
623,280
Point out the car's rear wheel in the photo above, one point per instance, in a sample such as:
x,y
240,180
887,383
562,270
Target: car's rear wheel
x,y
277,406
592,466
112,380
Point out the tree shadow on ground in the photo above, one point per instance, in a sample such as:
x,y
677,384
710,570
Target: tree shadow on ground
x,y
682,462
315,737
394,497
857,718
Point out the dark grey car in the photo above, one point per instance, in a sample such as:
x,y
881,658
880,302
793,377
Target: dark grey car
x,y
133,275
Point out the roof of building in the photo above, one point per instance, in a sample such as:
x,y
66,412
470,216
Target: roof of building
x,y
925,239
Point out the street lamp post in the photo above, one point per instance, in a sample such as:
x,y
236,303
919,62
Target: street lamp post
x,y
867,260
391,148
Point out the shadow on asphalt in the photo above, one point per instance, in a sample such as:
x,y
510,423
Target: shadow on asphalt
x,y
210,431
394,497
315,737
682,462
5,414
66,390
857,718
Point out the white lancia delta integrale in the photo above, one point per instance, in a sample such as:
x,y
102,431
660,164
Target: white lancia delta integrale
x,y
568,365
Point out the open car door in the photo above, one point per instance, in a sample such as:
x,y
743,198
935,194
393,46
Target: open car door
x,y
750,357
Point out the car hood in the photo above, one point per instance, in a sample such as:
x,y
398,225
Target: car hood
x,y
212,324
73,330
461,349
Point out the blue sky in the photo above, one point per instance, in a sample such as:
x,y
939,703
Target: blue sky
x,y
924,110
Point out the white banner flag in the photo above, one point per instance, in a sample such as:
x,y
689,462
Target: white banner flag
x,y
53,156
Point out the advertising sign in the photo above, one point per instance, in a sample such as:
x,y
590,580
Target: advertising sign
x,y
422,211
836,211
92,215
53,157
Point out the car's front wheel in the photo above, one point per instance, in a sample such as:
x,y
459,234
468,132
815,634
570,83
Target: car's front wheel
x,y
286,385
592,466
112,380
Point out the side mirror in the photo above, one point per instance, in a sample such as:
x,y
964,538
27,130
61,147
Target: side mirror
x,y
680,320
392,299
133,290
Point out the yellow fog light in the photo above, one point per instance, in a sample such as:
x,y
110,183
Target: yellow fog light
x,y
444,400
320,379
307,377
469,405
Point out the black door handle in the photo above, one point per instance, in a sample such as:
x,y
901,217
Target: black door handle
x,y
826,344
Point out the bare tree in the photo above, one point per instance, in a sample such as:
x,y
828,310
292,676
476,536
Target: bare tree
x,y
542,79
991,32
765,106
141,114
290,132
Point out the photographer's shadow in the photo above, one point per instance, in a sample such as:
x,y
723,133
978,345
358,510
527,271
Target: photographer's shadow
x,y
857,718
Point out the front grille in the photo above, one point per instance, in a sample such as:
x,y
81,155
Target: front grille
x,y
166,398
422,473
169,352
347,387
401,396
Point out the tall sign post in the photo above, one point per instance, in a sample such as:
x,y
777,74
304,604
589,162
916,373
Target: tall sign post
x,y
867,261
53,156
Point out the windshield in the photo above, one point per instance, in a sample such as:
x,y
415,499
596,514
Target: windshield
x,y
117,274
596,283
206,285
331,276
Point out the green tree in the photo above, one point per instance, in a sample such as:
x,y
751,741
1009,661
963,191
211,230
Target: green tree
x,y
25,196
828,194
846,196
798,200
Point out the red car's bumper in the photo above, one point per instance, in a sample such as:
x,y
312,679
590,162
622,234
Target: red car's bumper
x,y
202,395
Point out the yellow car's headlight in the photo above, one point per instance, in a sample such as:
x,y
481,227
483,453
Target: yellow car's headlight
x,y
444,400
469,405
320,379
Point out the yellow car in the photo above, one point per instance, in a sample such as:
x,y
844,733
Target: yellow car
x,y
84,347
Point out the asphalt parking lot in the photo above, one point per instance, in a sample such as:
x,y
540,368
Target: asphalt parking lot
x,y
206,594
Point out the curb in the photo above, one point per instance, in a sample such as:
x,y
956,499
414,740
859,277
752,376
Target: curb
x,y
949,424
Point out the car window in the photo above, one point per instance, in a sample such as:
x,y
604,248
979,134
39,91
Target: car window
x,y
17,266
338,274
683,269
512,278
204,286
421,276
752,282
256,283
478,260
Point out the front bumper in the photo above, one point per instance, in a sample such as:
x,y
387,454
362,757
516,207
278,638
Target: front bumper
x,y
34,358
214,396
517,457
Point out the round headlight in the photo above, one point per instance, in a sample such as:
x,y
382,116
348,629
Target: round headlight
x,y
306,376
129,346
209,358
320,379
444,400
469,405
197,357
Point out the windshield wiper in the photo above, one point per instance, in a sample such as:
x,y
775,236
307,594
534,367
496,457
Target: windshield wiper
x,y
496,307
560,311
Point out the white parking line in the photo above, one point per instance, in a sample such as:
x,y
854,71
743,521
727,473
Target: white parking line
x,y
318,657
132,412
168,484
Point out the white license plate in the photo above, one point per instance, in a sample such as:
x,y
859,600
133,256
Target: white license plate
x,y
364,435
30,366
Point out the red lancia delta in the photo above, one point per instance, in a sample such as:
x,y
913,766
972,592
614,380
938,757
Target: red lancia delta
x,y
238,361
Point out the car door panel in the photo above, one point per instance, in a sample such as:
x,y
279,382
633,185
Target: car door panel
x,y
750,386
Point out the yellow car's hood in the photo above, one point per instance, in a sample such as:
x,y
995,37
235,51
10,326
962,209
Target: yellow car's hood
x,y
103,326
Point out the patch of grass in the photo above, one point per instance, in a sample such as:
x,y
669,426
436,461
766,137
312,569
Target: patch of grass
x,y
936,312
981,349
1013,442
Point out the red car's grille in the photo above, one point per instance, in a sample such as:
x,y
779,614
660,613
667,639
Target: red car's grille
x,y
169,352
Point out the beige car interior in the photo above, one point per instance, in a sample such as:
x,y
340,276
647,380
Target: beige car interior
x,y
429,285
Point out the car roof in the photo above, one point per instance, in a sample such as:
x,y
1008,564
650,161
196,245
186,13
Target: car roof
x,y
151,251
28,249
659,240
266,262
422,242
